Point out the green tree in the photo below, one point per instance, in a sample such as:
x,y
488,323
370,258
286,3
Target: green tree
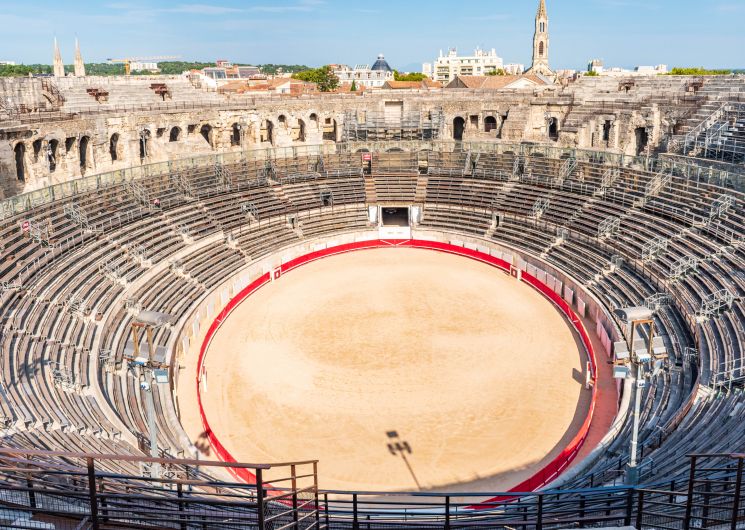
x,y
397,76
353,88
697,71
498,71
591,73
324,77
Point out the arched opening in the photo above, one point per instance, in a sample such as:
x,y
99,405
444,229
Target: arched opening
x,y
543,27
144,140
175,134
490,124
541,48
267,132
235,135
301,131
459,126
52,154
20,155
282,120
83,152
113,144
329,130
314,120
553,129
206,132
642,139
37,149
606,130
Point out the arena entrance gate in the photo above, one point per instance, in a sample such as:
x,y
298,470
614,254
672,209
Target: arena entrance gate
x,y
395,222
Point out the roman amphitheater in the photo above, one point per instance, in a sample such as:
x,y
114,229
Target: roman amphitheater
x,y
433,309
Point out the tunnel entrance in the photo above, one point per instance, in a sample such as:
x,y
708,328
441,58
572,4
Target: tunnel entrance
x,y
395,216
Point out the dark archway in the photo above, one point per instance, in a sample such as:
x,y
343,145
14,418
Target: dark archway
x,y
20,155
490,124
642,139
301,131
314,120
553,129
83,146
52,154
175,134
37,149
267,133
235,135
459,126
541,49
206,132
144,140
113,145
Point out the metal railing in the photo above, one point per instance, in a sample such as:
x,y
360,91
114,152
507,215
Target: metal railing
x,y
78,490
108,491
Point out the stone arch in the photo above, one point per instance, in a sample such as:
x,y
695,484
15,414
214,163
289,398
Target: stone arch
x,y
313,118
175,134
459,126
301,130
36,145
553,129
207,133
144,141
236,135
114,147
642,140
52,148
19,152
84,153
541,49
490,124
282,120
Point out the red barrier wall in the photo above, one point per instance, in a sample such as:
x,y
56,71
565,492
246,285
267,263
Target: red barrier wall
x,y
552,470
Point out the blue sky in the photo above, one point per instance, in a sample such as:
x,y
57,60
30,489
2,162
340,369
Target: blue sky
x,y
409,32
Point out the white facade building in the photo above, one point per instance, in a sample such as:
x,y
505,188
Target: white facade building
x,y
446,67
363,75
7,63
596,65
144,66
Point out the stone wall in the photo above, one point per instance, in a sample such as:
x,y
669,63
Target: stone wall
x,y
75,135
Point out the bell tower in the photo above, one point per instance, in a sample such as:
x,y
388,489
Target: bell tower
x,y
540,43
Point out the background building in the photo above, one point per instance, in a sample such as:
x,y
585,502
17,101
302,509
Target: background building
x,y
364,75
446,67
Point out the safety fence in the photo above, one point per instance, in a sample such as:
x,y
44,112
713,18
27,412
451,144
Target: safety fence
x,y
41,489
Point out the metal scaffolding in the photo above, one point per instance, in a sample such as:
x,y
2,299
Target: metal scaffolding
x,y
567,169
720,206
655,248
609,227
715,303
382,126
721,136
138,192
681,268
539,208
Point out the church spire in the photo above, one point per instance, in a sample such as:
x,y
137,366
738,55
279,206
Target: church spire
x,y
79,64
542,9
59,66
540,43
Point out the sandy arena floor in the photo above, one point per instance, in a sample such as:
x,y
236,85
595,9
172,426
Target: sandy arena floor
x,y
480,374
